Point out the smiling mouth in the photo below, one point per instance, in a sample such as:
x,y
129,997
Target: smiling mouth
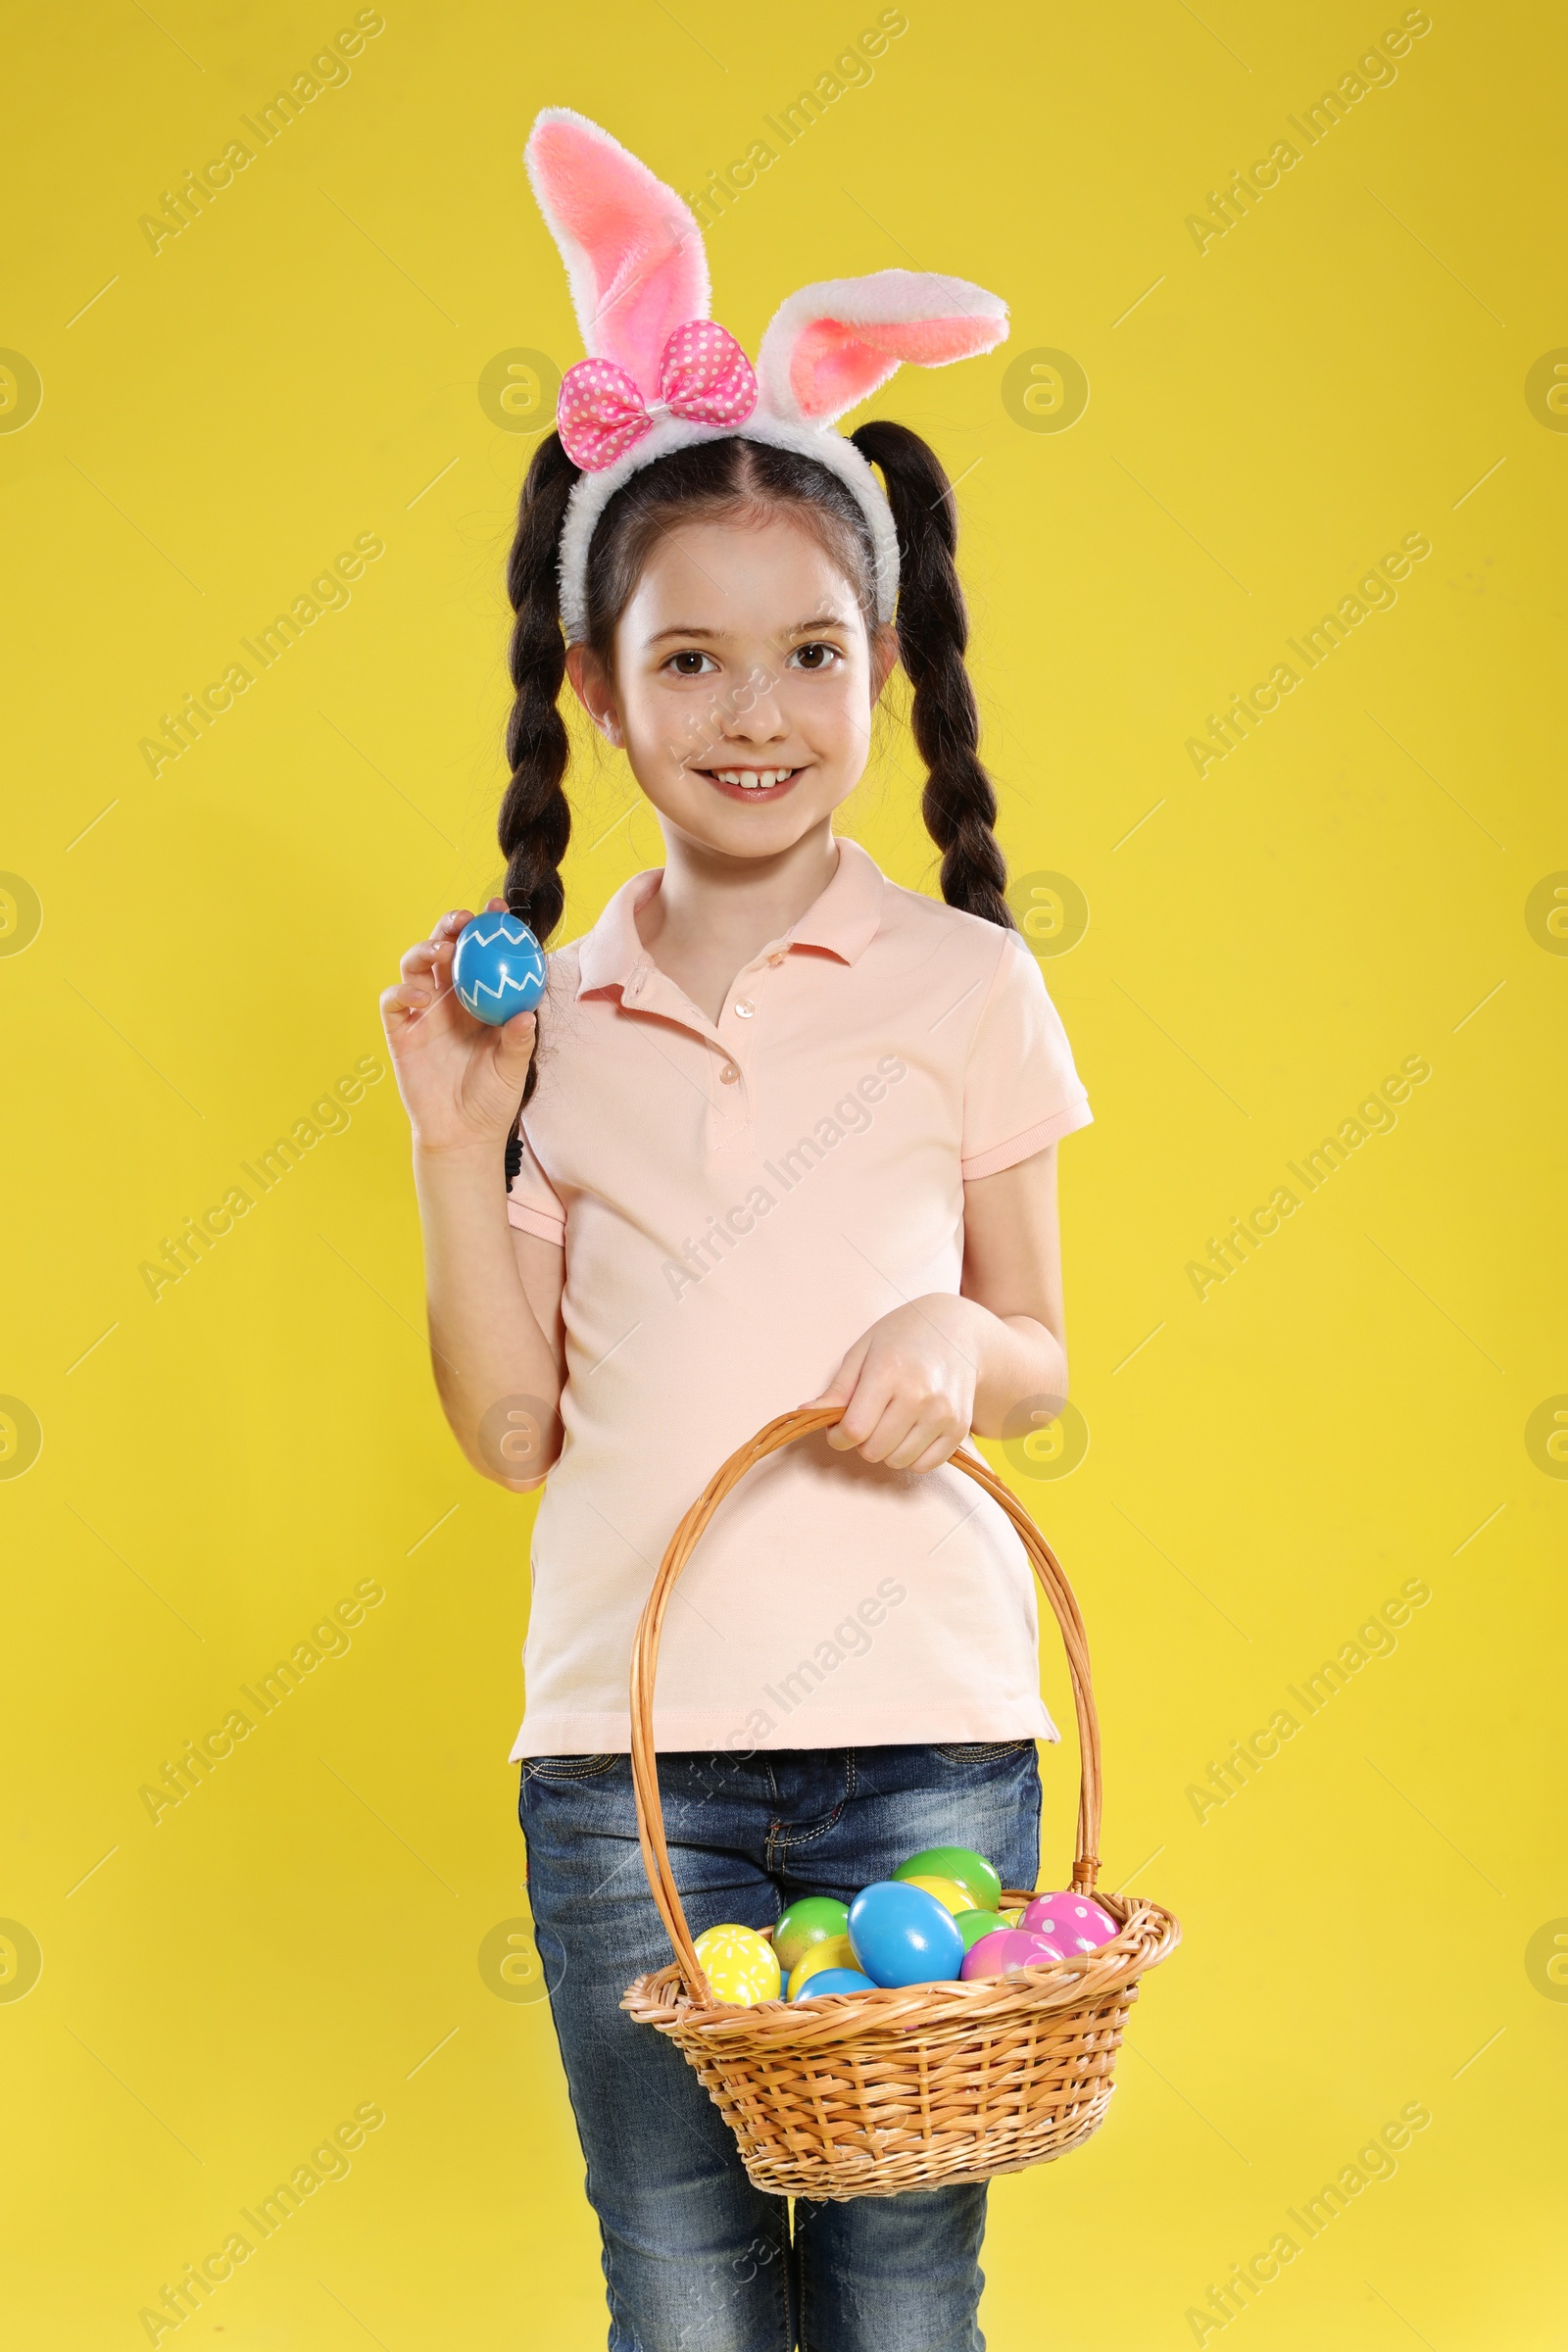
x,y
752,783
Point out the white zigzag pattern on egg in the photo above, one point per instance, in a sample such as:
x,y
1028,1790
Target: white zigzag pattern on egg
x,y
469,998
487,939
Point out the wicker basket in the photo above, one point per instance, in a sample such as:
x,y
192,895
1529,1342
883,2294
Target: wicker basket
x,y
867,2093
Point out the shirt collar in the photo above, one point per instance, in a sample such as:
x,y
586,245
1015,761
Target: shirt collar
x,y
843,920
609,953
848,916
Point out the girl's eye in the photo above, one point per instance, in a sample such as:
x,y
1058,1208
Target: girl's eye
x,y
690,663
816,657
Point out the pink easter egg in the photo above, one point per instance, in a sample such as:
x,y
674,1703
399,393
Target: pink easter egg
x,y
1006,1948
1074,1920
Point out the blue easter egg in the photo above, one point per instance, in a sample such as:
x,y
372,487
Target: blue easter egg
x,y
903,1935
834,1980
498,968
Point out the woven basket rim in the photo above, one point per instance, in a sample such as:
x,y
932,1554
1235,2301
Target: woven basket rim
x,y
661,1997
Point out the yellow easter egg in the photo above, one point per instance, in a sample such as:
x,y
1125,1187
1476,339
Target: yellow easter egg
x,y
947,1891
739,1965
835,1951
1013,1913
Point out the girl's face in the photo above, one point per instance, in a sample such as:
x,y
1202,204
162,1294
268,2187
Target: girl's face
x,y
743,686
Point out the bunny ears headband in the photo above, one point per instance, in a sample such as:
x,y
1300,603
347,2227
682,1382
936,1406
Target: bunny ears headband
x,y
662,376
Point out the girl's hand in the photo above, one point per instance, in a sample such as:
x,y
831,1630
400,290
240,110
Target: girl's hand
x,y
907,1386
461,1080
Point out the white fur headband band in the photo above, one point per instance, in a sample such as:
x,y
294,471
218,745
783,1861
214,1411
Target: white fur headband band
x,y
662,376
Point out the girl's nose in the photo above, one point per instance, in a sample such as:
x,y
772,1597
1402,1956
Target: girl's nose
x,y
761,722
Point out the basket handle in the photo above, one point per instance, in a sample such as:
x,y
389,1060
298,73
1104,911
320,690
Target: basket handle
x,y
645,1661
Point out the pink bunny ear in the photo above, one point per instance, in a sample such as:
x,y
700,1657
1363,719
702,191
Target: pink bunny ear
x,y
831,344
633,252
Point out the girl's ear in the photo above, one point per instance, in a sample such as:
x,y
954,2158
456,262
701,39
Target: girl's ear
x,y
591,683
830,346
883,660
633,251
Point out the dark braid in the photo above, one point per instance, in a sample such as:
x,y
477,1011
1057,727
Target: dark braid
x,y
959,802
535,822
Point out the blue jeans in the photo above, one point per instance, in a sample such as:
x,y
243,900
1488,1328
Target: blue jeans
x,y
695,2258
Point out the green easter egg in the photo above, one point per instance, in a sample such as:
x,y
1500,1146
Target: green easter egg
x,y
972,1925
962,1865
810,1920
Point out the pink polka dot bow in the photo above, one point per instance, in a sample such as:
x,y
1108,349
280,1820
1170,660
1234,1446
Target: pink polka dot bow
x,y
704,376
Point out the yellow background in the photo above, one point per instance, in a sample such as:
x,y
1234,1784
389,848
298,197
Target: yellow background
x,y
296,368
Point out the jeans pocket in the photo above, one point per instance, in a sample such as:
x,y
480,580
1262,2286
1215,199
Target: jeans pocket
x,y
985,1751
566,1768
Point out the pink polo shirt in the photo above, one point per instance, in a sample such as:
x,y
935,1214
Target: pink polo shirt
x,y
739,1200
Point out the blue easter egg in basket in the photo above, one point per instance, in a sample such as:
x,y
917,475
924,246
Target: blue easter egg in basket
x,y
903,1935
498,968
834,1980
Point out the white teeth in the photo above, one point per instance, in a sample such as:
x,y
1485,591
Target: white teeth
x,y
753,779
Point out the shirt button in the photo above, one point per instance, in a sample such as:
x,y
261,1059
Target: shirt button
x,y
744,1008
778,959
729,1073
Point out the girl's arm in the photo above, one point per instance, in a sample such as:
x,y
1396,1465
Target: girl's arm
x,y
493,1294
493,1299
919,1380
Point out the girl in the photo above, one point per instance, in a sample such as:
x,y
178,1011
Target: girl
x,y
789,1134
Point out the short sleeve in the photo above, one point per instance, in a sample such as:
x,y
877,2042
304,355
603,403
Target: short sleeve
x,y
1020,1091
532,1203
